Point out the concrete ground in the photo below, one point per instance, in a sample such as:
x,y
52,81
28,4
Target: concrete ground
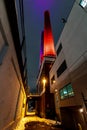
x,y
40,126
33,122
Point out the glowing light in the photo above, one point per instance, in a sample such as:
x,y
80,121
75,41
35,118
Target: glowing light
x,y
81,110
44,81
56,91
54,81
65,92
47,42
48,37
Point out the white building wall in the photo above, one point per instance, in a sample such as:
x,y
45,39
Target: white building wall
x,y
11,87
74,37
74,51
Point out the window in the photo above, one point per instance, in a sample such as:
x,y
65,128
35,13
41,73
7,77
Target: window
x,y
61,94
66,91
53,80
83,3
70,90
62,68
3,43
59,49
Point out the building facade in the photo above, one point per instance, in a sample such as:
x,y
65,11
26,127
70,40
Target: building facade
x,y
70,70
12,65
45,107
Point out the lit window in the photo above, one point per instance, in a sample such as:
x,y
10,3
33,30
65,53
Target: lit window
x,y
66,91
70,90
61,94
83,3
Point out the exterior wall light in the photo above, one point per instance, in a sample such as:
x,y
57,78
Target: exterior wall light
x,y
81,110
56,91
54,81
44,81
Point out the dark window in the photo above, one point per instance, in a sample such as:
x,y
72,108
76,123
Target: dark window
x,y
66,91
59,49
62,68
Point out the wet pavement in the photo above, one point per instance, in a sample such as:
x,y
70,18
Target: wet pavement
x,y
41,126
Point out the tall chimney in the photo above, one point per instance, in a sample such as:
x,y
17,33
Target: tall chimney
x,y
49,49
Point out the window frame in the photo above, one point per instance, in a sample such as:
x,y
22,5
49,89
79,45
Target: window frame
x,y
64,96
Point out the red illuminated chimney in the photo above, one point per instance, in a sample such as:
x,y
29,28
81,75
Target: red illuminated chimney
x,y
48,37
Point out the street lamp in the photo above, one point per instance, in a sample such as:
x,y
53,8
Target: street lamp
x,y
44,81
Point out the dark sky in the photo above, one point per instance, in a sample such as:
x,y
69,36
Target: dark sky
x,y
34,24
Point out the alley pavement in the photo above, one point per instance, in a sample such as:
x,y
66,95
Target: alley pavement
x,y
33,122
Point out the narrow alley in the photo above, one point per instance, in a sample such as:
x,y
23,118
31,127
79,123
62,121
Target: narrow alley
x,y
43,65
33,122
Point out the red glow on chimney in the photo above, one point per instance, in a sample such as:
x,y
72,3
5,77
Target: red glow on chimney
x,y
48,37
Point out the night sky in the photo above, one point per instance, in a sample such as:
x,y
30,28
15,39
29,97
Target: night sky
x,y
34,24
